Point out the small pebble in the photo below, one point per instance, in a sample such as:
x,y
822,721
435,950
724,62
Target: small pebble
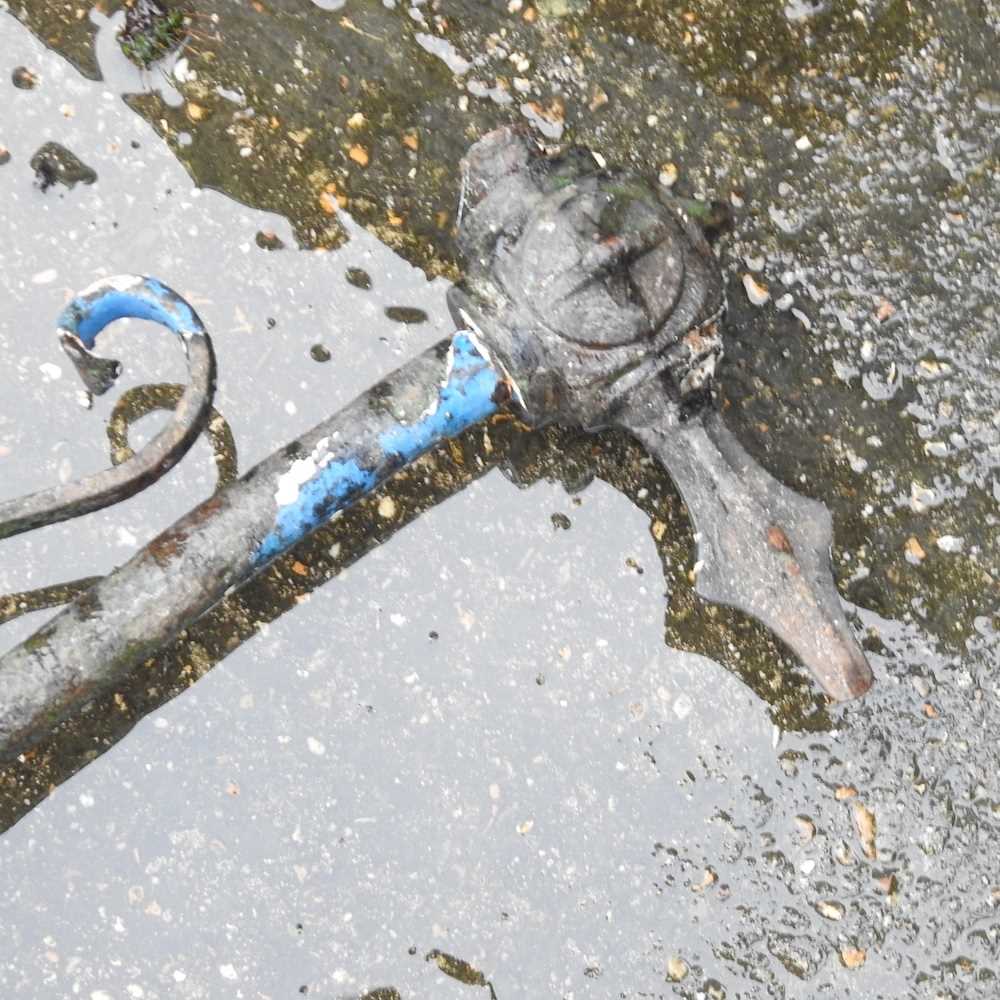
x,y
914,551
24,78
358,277
842,854
677,969
549,119
668,174
387,508
806,827
865,825
268,240
884,310
988,100
757,292
950,543
406,314
319,353
830,910
853,958
598,98
886,884
803,143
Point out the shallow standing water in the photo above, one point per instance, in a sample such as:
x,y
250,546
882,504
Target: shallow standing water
x,y
546,790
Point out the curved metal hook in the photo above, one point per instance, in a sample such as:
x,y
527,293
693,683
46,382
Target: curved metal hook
x,y
79,325
132,405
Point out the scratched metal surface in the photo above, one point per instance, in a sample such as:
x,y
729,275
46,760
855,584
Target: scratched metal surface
x,y
545,790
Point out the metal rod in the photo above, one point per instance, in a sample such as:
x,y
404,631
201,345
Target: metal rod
x,y
105,633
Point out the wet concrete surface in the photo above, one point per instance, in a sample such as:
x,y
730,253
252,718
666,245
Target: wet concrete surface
x,y
545,790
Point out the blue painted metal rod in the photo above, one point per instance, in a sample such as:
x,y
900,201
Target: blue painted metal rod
x,y
95,642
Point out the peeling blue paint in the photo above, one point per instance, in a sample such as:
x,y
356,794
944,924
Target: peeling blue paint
x,y
465,398
333,486
129,295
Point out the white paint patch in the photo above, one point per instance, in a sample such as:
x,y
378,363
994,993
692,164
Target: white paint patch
x,y
45,277
476,336
126,539
299,472
436,402
50,372
119,282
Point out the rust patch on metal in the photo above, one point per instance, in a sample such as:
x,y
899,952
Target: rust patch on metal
x,y
503,393
778,540
166,547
